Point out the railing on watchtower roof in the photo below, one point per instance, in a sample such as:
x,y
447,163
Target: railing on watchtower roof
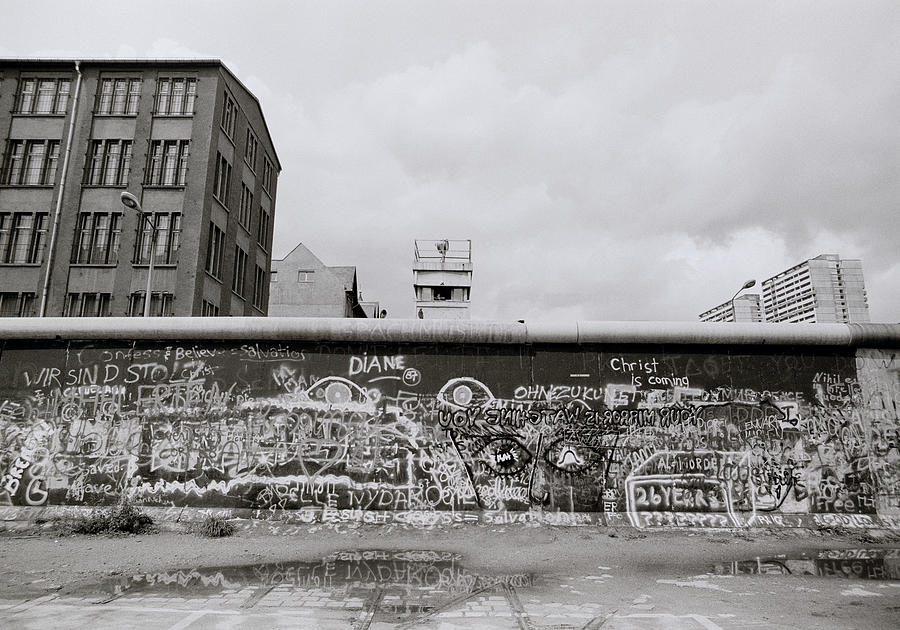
x,y
441,250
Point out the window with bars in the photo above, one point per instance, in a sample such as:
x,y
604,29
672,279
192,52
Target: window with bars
x,y
268,175
22,237
88,305
43,96
168,162
175,96
168,238
109,163
262,228
246,206
222,184
208,309
215,247
240,270
31,162
16,304
97,238
229,114
162,304
251,149
118,97
259,287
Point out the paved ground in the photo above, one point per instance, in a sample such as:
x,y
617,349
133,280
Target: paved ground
x,y
511,579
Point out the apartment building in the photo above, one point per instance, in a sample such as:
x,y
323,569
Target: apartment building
x,y
745,308
822,289
185,137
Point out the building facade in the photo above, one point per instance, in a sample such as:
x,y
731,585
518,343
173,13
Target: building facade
x,y
442,278
185,137
819,290
742,309
304,286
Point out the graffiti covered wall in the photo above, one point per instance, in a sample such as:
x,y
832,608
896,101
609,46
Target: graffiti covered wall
x,y
649,435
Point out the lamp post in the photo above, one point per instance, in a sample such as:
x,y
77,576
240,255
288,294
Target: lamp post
x,y
747,285
130,201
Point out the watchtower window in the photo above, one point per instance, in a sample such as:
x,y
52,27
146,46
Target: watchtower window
x,y
442,293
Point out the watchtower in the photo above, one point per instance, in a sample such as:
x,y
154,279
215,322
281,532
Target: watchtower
x,y
442,278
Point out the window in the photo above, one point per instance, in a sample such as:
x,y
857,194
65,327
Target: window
x,y
43,96
168,162
87,305
441,293
229,113
161,304
262,228
305,276
16,304
22,237
240,270
119,97
208,309
175,97
273,276
222,185
251,149
246,205
97,238
259,287
31,162
168,238
110,163
268,175
214,248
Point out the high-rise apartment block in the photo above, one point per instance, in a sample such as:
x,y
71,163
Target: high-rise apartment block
x,y
185,137
741,309
822,289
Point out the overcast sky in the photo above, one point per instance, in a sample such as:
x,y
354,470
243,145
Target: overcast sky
x,y
608,160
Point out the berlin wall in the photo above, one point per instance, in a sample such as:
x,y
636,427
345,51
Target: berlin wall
x,y
424,422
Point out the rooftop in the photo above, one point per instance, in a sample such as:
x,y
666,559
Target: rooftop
x,y
100,61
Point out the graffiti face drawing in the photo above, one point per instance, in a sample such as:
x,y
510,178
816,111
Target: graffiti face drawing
x,y
524,454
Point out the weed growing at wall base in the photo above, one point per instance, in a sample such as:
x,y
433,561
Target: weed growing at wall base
x,y
214,527
123,518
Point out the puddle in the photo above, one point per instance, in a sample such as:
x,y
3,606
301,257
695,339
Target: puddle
x,y
860,564
399,584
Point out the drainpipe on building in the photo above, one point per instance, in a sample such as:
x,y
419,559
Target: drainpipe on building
x,y
59,199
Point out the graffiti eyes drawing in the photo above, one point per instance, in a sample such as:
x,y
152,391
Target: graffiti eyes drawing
x,y
464,393
506,456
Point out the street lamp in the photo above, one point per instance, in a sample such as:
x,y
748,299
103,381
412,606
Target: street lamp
x,y
747,285
130,201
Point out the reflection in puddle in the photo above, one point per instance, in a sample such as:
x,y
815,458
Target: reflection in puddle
x,y
863,564
397,583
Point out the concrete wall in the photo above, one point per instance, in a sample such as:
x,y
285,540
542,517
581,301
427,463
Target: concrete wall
x,y
424,422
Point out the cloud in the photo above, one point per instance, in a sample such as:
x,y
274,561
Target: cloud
x,y
632,161
165,48
607,203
